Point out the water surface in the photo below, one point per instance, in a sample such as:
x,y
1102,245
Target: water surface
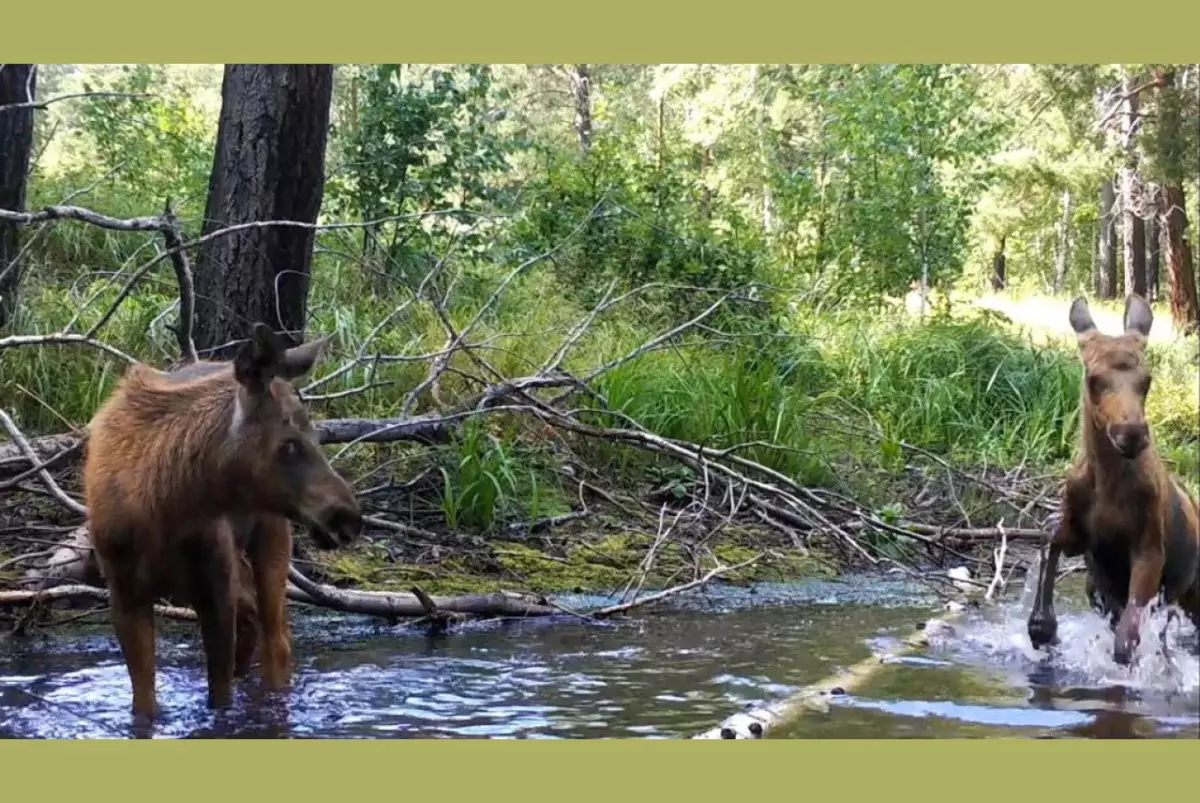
x,y
663,674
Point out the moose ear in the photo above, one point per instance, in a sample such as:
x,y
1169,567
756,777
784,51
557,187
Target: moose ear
x,y
299,360
1081,317
1138,316
260,359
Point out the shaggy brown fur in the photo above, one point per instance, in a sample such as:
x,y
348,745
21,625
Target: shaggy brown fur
x,y
1138,530
190,479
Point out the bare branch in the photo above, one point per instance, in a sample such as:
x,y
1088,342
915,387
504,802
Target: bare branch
x,y
82,214
624,607
187,292
42,104
63,339
19,439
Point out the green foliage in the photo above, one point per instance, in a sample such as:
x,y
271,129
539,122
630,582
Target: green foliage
x,y
877,173
843,183
414,147
641,222
156,147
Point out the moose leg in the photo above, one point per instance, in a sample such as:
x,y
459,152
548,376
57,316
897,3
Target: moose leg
x,y
1144,580
133,619
1043,625
1067,540
211,572
270,555
247,618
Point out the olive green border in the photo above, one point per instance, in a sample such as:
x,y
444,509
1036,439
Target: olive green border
x,y
479,771
628,31
609,31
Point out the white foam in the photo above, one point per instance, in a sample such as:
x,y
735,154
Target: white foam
x,y
1084,653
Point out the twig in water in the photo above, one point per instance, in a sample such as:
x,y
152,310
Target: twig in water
x,y
649,599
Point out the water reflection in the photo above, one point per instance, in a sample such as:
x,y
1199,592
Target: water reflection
x,y
669,674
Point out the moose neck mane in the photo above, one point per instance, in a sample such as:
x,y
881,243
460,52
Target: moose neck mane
x,y
189,411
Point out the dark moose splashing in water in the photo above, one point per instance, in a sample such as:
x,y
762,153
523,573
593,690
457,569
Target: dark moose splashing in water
x,y
666,674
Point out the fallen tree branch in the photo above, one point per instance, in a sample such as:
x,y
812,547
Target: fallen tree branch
x,y
659,596
419,429
23,445
971,534
758,721
82,592
386,605
389,605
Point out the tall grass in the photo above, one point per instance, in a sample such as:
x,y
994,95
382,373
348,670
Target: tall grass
x,y
969,387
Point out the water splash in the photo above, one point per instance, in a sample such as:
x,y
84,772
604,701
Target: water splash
x,y
1165,662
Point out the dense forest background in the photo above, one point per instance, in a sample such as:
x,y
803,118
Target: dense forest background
x,y
851,274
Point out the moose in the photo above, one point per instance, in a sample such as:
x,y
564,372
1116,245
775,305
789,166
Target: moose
x,y
192,479
1136,527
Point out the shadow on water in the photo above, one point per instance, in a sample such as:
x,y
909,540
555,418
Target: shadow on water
x,y
665,674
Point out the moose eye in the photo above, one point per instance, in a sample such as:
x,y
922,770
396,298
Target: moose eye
x,y
290,450
1096,385
1144,386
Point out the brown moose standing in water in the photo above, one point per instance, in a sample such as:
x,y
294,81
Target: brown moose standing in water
x,y
190,479
1136,527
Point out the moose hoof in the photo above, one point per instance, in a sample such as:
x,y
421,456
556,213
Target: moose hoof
x,y
1043,629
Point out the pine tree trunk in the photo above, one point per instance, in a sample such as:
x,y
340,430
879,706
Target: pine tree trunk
x,y
1107,287
999,267
1184,308
1134,227
581,89
1178,252
1153,240
269,165
1063,256
17,85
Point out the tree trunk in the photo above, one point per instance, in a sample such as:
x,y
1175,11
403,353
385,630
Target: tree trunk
x,y
999,262
269,165
1153,240
1096,259
1184,308
1063,257
581,88
1107,286
17,85
1134,227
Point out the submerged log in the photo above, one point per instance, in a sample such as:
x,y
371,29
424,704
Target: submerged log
x,y
758,721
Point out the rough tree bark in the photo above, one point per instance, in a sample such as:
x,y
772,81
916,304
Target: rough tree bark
x,y
581,89
1153,239
1107,286
1063,253
269,165
17,85
1134,227
999,263
1184,307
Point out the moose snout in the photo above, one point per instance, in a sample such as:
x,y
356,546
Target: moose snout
x,y
345,523
1130,439
337,520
